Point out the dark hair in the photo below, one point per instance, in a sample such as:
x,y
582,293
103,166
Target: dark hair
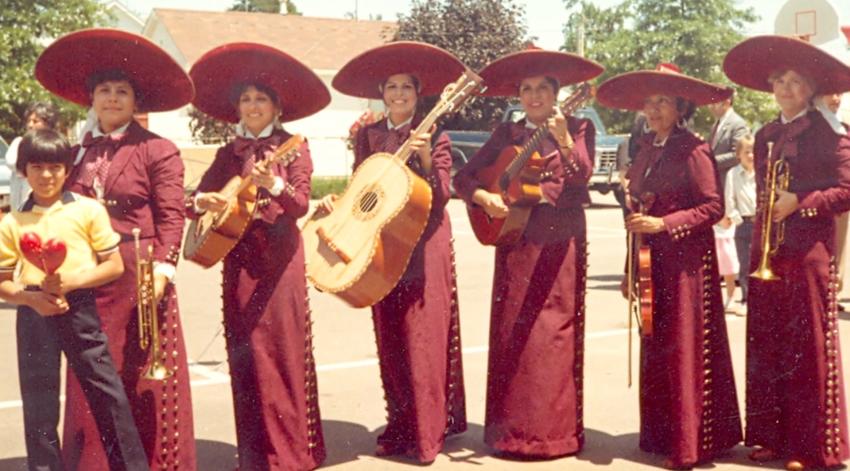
x,y
45,111
44,146
112,75
686,108
238,89
416,83
556,85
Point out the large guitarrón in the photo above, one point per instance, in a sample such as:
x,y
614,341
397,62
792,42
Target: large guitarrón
x,y
361,249
213,235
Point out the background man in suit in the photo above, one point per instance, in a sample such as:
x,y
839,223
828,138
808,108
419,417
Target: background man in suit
x,y
727,130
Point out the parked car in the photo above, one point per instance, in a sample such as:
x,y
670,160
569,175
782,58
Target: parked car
x,y
604,178
5,176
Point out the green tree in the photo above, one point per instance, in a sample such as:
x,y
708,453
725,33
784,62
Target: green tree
x,y
25,27
207,130
476,31
261,6
638,34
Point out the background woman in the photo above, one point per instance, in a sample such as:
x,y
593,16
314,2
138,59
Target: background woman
x,y
39,115
795,389
416,325
138,176
266,309
537,308
688,406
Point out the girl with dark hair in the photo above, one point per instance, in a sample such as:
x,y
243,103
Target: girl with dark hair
x,y
266,307
688,407
138,176
417,328
537,307
39,115
795,390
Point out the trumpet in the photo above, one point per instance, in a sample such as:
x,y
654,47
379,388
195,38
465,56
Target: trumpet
x,y
772,233
148,320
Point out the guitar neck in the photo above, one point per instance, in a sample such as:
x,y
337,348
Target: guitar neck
x,y
454,95
403,152
584,92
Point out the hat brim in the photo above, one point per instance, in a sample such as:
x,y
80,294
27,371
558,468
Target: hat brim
x,y
629,91
751,62
503,75
363,75
68,62
301,92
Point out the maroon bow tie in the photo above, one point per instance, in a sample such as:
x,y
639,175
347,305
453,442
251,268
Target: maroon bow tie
x,y
246,148
89,140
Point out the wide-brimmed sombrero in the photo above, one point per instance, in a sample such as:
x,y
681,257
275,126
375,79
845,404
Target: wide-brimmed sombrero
x,y
216,73
363,75
503,75
629,91
752,61
157,79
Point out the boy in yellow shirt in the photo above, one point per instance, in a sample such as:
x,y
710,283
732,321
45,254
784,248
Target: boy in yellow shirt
x,y
57,312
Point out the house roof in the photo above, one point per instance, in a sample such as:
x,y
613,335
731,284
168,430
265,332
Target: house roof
x,y
321,43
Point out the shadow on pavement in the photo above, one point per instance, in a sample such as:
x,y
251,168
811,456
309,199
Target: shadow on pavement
x,y
211,455
346,441
349,441
13,464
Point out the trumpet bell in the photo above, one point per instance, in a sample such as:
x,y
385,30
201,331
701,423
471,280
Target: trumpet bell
x,y
765,274
158,373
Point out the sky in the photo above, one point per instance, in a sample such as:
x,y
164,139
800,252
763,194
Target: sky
x,y
545,18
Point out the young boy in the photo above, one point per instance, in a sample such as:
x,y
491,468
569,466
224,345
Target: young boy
x,y
740,196
57,312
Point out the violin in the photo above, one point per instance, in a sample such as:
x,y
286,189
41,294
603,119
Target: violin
x,y
639,276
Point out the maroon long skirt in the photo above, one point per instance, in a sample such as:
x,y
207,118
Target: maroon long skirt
x,y
688,408
269,346
535,370
417,331
795,389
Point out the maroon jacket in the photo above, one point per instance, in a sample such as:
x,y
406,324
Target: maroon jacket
x,y
144,189
684,183
819,162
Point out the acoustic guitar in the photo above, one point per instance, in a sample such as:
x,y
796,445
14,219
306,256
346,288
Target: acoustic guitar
x,y
515,174
214,234
361,249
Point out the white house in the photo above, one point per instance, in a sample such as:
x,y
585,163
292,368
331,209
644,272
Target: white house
x,y
323,44
121,17
826,23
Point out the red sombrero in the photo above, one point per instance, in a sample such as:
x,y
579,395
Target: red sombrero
x,y
433,67
301,91
65,65
504,74
752,61
628,91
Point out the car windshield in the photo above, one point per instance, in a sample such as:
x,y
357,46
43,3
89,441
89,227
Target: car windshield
x,y
516,113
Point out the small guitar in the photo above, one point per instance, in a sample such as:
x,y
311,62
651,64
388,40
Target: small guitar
x,y
515,174
214,234
361,249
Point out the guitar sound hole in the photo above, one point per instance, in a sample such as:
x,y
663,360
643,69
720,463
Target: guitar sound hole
x,y
368,202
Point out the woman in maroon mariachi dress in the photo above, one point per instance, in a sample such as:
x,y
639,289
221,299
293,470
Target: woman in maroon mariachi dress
x,y
139,177
416,325
537,310
795,389
688,407
266,310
